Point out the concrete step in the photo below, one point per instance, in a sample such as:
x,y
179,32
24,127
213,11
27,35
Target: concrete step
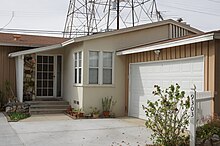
x,y
47,102
47,107
47,111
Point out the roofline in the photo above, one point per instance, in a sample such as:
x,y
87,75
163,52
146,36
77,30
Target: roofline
x,y
104,34
18,45
31,51
130,29
196,39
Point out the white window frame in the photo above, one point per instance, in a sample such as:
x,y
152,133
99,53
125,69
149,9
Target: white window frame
x,y
100,67
77,67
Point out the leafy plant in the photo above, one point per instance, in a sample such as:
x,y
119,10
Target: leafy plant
x,y
206,131
8,92
94,110
107,104
16,116
167,117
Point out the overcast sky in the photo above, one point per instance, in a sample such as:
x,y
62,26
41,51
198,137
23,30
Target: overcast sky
x,y
51,14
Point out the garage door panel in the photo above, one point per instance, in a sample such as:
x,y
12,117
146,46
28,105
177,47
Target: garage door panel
x,y
144,76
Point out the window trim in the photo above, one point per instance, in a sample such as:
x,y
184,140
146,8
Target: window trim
x,y
77,67
100,68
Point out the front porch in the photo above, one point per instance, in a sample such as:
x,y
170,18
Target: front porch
x,y
40,77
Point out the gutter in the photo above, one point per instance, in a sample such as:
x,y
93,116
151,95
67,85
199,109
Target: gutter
x,y
197,39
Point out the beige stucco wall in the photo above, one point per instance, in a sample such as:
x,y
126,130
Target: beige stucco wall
x,y
70,91
91,95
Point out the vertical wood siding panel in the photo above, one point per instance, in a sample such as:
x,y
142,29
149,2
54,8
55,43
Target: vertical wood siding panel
x,y
142,57
145,57
173,53
132,58
1,67
217,76
211,76
188,52
206,53
183,51
136,57
193,50
177,51
211,65
168,54
199,49
164,54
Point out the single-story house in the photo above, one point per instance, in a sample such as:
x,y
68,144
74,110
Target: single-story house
x,y
84,70
17,42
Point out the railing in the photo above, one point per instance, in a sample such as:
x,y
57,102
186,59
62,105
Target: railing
x,y
201,109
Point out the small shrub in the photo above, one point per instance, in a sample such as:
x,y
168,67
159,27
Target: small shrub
x,y
16,116
167,117
206,131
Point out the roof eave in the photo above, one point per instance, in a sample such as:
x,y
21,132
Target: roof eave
x,y
31,51
196,39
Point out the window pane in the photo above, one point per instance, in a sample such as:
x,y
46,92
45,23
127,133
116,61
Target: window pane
x,y
45,66
39,67
107,76
75,62
45,59
39,92
39,59
107,59
93,76
80,72
93,59
75,80
50,59
39,75
80,55
59,75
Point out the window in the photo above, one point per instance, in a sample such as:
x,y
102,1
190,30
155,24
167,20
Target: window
x,y
107,68
78,67
100,67
93,67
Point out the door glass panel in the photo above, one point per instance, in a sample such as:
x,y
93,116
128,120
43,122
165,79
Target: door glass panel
x,y
45,68
59,75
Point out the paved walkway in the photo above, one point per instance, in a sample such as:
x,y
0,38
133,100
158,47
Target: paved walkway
x,y
8,137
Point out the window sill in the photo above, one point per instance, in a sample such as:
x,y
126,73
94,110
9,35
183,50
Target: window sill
x,y
77,85
99,86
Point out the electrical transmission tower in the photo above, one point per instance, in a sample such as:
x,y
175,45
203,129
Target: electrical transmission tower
x,y
86,17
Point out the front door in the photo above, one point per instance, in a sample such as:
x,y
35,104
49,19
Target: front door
x,y
48,76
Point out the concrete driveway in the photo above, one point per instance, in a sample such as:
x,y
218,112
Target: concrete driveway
x,y
60,130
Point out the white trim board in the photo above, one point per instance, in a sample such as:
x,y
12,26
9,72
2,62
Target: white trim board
x,y
196,39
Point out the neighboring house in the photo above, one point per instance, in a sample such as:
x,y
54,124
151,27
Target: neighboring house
x,y
17,42
84,70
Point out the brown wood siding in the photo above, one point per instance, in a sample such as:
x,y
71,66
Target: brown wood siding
x,y
7,66
206,48
217,76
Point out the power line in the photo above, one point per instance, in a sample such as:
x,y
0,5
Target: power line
x,y
190,10
214,1
8,21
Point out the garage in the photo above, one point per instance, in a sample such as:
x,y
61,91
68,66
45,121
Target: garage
x,y
143,76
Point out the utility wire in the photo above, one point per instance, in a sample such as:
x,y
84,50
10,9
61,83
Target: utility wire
x,y
190,10
214,1
8,21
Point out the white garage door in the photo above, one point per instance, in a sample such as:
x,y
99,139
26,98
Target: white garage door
x,y
143,77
